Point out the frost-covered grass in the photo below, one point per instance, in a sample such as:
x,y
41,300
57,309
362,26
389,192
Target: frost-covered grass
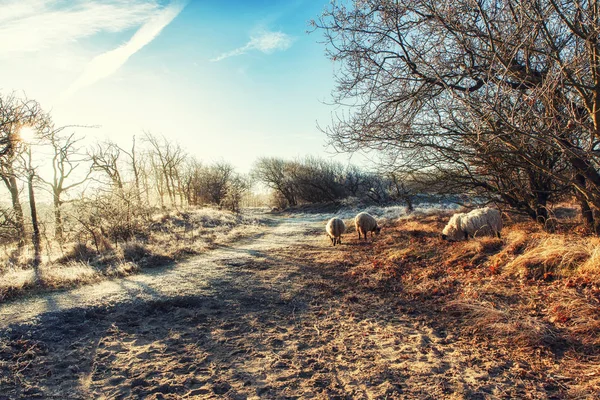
x,y
169,236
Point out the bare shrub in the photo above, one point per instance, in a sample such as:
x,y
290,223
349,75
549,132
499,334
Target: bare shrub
x,y
79,252
237,187
9,228
114,216
120,269
278,201
71,274
135,251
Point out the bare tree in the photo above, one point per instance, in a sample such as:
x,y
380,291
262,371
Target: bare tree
x,y
474,86
191,181
237,187
105,158
16,113
167,159
318,180
66,159
275,173
35,234
214,182
137,167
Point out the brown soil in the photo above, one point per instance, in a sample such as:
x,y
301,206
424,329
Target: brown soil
x,y
275,316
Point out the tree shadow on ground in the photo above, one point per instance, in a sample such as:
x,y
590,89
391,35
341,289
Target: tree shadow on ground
x,y
281,324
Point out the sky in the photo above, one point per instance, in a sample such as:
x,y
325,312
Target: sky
x,y
227,80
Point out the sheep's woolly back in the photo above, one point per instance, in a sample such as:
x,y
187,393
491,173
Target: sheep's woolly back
x,y
335,227
481,221
364,222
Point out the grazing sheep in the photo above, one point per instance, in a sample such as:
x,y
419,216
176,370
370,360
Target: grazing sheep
x,y
365,223
335,227
481,221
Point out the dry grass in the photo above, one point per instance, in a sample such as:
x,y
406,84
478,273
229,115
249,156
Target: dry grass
x,y
547,256
52,276
534,293
505,325
170,236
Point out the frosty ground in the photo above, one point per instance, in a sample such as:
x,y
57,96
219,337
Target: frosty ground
x,y
270,316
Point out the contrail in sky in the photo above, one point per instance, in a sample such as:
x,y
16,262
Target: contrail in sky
x,y
109,62
266,42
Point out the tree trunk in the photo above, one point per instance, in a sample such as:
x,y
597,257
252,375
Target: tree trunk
x,y
58,223
13,188
541,212
35,237
588,214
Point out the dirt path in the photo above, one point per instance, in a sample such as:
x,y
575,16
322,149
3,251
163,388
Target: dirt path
x,y
255,320
197,276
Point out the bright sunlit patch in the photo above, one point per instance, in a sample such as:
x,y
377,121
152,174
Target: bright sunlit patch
x,y
27,134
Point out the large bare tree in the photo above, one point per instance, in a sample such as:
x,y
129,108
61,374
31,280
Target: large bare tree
x,y
488,89
15,114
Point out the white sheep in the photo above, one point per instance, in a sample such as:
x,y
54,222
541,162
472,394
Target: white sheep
x,y
335,227
481,221
365,223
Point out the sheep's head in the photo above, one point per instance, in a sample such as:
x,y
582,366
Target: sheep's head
x,y
451,231
452,234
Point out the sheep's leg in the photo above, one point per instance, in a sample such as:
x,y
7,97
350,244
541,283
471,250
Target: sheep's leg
x,y
340,240
332,240
498,234
466,236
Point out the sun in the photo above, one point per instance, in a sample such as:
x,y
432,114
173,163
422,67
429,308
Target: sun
x,y
27,134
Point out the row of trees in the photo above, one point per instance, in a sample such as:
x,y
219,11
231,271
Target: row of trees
x,y
106,192
314,180
499,97
98,183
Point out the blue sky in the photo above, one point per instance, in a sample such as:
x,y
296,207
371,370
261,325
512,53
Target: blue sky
x,y
230,80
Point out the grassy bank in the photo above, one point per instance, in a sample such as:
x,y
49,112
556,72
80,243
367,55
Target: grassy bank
x,y
534,293
168,237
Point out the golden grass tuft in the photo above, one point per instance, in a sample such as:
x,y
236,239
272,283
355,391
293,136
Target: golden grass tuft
x,y
472,252
576,313
15,281
556,256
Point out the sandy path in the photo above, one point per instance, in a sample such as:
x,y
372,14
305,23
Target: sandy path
x,y
255,320
191,277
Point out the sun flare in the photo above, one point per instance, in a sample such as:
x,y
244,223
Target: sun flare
x,y
27,134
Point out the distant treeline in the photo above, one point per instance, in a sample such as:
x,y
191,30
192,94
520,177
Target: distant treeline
x,y
315,180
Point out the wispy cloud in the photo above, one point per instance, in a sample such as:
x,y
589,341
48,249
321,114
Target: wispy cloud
x,y
109,62
35,25
265,42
